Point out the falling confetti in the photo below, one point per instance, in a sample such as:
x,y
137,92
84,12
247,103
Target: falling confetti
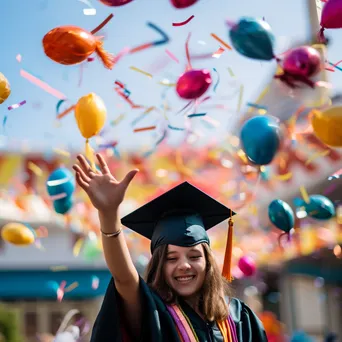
x,y
184,22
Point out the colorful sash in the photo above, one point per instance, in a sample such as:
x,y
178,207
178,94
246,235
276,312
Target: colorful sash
x,y
187,333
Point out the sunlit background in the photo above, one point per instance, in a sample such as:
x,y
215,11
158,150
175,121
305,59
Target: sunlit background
x,y
296,283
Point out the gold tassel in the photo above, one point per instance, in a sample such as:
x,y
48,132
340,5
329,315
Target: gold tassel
x,y
227,263
89,152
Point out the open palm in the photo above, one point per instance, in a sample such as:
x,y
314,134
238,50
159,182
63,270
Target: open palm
x,y
105,192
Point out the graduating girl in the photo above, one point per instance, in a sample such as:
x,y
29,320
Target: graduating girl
x,y
184,297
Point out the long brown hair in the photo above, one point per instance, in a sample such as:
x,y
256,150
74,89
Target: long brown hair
x,y
212,304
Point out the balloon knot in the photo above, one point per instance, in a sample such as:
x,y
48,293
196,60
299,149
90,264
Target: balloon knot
x,y
320,36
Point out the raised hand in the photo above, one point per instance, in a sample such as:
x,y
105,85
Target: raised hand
x,y
105,192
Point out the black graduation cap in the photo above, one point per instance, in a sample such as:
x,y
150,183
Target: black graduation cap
x,y
179,217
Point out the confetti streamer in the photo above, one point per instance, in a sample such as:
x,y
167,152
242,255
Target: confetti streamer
x,y
196,115
335,66
240,98
172,56
209,120
42,85
143,129
60,291
141,71
95,282
189,67
18,58
129,101
118,120
160,140
35,169
61,152
108,145
71,287
231,72
123,87
184,22
165,39
16,105
218,53
284,177
335,175
218,80
175,128
167,84
221,41
77,247
255,105
58,268
317,155
304,194
103,24
65,112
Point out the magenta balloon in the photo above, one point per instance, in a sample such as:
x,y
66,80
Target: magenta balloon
x,y
183,3
247,266
193,84
332,14
115,3
303,61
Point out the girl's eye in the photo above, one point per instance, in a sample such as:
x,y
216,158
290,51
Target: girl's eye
x,y
195,257
171,259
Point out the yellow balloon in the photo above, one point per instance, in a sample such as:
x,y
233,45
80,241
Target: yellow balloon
x,y
5,89
17,234
327,126
90,114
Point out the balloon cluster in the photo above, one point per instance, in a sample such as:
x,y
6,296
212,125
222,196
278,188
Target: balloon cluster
x,y
60,186
253,38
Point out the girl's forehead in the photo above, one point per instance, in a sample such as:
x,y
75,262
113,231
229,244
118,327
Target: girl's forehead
x,y
180,249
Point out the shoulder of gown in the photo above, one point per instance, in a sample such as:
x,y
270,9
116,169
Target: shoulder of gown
x,y
248,326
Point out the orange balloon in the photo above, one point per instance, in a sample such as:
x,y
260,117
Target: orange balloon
x,y
70,45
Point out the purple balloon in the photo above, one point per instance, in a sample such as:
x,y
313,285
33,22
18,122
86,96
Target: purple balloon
x,y
247,266
115,3
332,14
193,84
302,61
183,3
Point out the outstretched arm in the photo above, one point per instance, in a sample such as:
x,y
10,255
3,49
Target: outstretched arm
x,y
106,194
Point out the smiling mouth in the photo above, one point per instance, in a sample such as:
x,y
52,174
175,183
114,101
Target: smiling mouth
x,y
185,279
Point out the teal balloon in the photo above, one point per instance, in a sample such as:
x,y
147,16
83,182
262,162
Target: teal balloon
x,y
63,205
281,215
253,38
260,139
61,181
320,207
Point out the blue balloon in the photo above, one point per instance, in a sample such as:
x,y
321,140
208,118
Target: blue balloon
x,y
61,181
320,207
281,215
301,336
63,205
253,38
260,138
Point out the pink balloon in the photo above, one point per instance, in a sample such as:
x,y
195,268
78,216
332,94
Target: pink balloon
x,y
302,61
193,84
115,3
247,266
183,3
332,14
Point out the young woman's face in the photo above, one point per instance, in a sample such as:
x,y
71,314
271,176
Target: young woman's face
x,y
185,269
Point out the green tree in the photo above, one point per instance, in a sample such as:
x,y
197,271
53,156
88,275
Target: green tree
x,y
9,325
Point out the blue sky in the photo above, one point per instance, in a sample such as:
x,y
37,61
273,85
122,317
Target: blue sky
x,y
24,23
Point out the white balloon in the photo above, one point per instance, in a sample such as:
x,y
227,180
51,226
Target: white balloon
x,y
70,335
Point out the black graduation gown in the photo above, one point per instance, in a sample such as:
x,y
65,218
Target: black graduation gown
x,y
158,325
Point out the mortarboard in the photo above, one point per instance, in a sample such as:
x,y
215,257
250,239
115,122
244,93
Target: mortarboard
x,y
181,217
